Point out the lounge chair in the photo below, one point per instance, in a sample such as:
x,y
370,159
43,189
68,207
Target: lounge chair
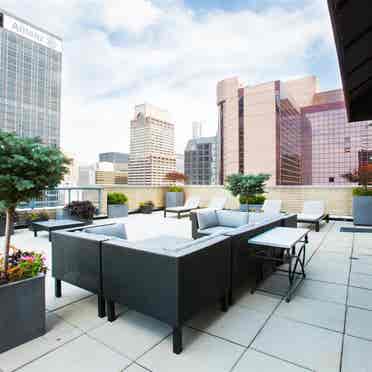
x,y
190,205
313,213
272,207
217,203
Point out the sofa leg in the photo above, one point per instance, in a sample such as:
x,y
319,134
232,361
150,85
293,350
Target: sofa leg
x,y
178,215
111,311
230,298
224,303
57,288
165,212
317,226
177,340
101,306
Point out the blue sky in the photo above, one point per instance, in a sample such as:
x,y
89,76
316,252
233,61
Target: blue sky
x,y
172,53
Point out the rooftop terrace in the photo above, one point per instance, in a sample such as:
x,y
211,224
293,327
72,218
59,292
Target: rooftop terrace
x,y
326,326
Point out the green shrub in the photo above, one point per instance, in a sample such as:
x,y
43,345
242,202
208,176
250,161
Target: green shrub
x,y
116,198
361,191
252,199
175,189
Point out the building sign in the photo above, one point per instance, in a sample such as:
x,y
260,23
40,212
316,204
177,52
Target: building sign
x,y
31,33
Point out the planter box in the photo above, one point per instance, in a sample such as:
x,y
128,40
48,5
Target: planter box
x,y
63,214
117,210
250,207
146,210
362,210
174,199
22,312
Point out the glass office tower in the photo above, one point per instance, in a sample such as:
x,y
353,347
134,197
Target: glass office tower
x,y
30,80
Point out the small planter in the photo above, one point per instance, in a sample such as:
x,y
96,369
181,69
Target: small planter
x,y
22,312
362,210
250,207
117,210
174,199
147,209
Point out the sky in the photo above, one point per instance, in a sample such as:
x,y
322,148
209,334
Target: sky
x,y
172,53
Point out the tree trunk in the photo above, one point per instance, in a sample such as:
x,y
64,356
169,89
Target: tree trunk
x,y
8,231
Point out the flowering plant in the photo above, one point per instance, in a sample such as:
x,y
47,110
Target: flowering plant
x,y
22,265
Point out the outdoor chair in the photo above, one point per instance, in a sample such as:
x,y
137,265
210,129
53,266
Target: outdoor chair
x,y
313,213
272,207
190,205
217,203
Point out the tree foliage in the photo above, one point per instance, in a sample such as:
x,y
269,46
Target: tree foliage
x,y
27,167
175,177
247,185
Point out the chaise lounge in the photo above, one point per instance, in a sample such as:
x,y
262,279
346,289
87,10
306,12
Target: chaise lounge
x,y
313,213
190,205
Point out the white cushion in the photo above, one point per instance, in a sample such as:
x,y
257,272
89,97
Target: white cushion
x,y
272,207
309,217
232,218
217,203
216,230
207,219
314,207
192,203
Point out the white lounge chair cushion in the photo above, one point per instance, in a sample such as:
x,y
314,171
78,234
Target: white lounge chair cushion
x,y
309,217
272,207
192,203
207,218
217,203
314,207
179,209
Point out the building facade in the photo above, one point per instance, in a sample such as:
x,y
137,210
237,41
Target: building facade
x,y
201,161
152,146
290,130
106,173
30,80
119,160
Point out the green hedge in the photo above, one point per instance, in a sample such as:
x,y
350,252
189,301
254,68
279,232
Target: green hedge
x,y
116,198
175,189
361,191
253,199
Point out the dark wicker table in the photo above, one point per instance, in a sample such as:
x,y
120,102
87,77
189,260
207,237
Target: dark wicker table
x,y
53,225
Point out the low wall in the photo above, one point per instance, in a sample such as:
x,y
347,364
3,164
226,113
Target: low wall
x,y
338,198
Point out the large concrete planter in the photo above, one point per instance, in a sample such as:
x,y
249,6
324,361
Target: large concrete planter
x,y
174,199
250,207
22,312
117,210
362,210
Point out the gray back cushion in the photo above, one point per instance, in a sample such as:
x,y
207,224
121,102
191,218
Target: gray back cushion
x,y
116,230
207,219
232,218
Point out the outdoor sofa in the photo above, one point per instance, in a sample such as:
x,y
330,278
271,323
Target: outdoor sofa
x,y
190,205
168,278
313,212
77,258
244,268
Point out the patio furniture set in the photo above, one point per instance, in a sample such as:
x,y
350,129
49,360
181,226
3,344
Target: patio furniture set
x,y
159,276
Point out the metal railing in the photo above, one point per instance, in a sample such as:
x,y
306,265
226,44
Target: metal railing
x,y
61,196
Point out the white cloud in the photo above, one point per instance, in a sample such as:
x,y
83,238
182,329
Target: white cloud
x,y
130,15
118,53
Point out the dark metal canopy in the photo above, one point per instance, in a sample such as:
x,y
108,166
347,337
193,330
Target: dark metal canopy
x,y
352,26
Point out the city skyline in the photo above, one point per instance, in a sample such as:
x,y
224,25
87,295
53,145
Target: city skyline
x,y
101,85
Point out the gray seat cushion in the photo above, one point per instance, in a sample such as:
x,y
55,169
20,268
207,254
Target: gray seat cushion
x,y
232,218
207,219
116,230
216,230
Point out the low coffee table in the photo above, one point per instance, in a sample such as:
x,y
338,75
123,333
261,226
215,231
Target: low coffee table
x,y
53,225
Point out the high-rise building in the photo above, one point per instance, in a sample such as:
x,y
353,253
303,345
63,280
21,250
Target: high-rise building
x,y
152,153
30,80
201,161
119,160
289,130
107,174
197,129
180,163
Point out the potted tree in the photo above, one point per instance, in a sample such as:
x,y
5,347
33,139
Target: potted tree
x,y
362,196
3,221
174,197
146,207
249,188
26,169
117,205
